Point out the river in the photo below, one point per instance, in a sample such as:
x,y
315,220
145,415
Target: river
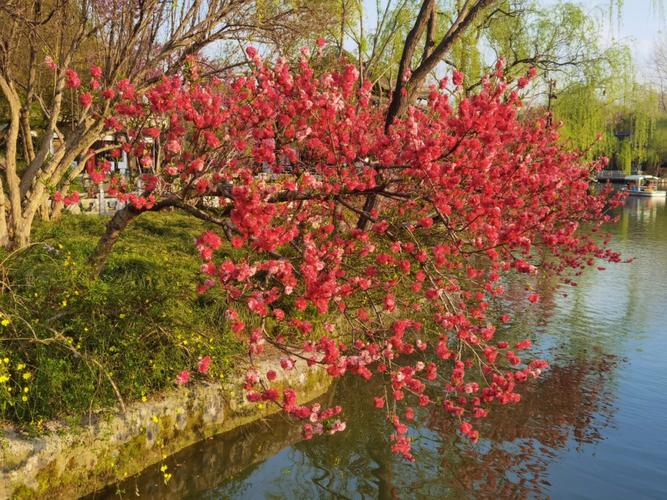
x,y
593,426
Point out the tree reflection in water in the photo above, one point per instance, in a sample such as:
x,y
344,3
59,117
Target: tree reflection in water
x,y
521,441
511,461
565,408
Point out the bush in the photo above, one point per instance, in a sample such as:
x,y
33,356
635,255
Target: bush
x,y
67,339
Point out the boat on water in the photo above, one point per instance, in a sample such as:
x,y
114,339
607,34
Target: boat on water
x,y
643,185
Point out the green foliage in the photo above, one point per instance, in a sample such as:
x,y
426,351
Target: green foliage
x,y
138,325
466,56
660,137
625,116
385,45
590,89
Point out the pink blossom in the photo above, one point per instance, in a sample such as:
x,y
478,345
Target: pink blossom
x,y
173,146
50,63
203,365
71,199
96,72
85,99
72,79
286,363
211,239
183,377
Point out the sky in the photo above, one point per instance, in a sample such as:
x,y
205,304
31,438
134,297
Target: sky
x,y
641,26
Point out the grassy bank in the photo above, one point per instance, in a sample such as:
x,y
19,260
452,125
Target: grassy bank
x,y
69,344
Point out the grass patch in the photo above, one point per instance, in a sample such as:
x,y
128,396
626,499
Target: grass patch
x,y
64,335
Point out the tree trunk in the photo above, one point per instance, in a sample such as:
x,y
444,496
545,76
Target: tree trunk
x,y
58,206
4,231
20,237
115,228
57,210
398,101
44,210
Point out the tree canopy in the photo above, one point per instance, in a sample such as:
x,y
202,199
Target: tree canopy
x,y
465,195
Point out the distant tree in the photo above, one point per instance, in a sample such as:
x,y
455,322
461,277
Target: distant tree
x,y
44,42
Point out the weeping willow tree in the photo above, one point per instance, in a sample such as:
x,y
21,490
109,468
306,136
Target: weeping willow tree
x,y
467,57
584,115
644,115
632,133
591,106
616,9
624,119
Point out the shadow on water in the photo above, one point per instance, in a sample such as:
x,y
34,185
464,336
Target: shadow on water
x,y
592,426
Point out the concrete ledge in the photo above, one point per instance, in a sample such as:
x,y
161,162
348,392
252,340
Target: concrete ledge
x,y
76,461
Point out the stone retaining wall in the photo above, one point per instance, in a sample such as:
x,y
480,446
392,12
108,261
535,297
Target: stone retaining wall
x,y
73,462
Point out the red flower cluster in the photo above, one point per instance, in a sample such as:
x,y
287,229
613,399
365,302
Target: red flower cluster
x,y
72,79
408,235
67,200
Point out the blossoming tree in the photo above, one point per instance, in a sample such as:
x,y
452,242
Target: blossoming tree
x,y
284,161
